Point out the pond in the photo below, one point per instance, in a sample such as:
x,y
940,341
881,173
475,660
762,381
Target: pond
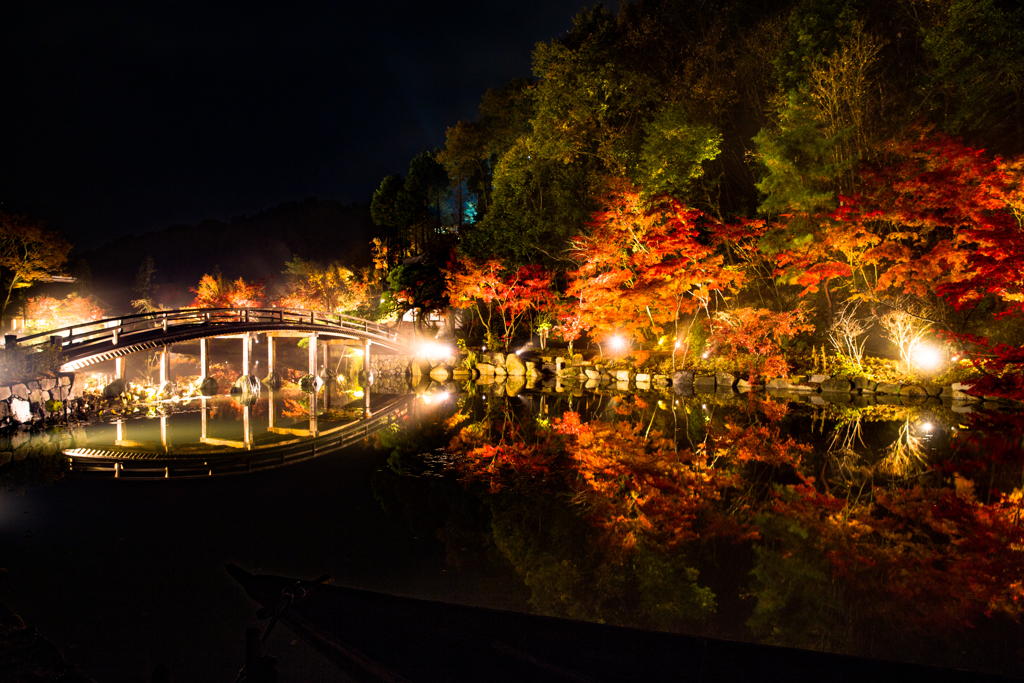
x,y
888,531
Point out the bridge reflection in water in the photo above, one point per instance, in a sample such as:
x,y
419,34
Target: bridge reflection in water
x,y
278,446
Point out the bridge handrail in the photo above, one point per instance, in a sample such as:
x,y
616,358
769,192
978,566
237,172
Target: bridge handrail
x,y
97,330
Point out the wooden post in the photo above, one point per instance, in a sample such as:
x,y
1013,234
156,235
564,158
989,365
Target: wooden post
x,y
204,357
366,361
120,431
270,354
245,354
119,367
165,364
312,354
327,354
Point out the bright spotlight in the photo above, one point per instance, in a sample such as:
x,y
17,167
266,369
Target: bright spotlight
x,y
926,357
433,350
617,343
926,426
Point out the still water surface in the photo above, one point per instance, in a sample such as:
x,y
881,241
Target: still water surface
x,y
887,531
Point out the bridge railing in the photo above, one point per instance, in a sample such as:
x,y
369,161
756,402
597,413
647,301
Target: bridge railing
x,y
113,328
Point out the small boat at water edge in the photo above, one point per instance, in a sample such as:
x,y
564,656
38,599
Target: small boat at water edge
x,y
378,637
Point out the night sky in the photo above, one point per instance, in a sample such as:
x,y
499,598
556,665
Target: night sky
x,y
130,117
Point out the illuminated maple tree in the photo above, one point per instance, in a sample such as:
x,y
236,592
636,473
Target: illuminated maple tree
x,y
49,313
213,291
644,266
760,334
330,288
28,253
485,286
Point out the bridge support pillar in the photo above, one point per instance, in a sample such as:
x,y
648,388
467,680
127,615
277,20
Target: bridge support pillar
x,y
368,378
246,361
312,355
165,364
119,367
271,360
204,357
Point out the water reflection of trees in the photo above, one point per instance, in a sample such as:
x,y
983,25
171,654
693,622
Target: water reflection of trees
x,y
881,532
853,463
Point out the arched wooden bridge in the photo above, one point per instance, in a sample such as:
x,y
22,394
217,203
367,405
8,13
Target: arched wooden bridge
x,y
110,338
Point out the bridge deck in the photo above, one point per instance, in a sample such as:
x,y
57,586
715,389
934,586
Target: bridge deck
x,y
100,340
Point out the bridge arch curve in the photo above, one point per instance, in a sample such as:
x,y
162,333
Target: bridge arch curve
x,y
100,340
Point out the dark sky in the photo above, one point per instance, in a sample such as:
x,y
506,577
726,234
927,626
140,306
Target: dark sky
x,y
133,116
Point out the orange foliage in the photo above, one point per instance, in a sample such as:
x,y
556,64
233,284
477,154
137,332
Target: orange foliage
x,y
47,313
486,285
759,333
214,292
643,266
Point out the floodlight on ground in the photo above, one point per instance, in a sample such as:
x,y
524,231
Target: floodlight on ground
x,y
433,350
926,357
617,343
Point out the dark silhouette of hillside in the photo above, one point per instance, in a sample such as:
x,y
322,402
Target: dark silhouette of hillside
x,y
251,247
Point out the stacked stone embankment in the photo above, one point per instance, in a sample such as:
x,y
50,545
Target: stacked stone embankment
x,y
511,373
25,402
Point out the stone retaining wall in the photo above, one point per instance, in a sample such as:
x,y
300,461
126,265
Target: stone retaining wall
x,y
26,401
400,373
388,365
